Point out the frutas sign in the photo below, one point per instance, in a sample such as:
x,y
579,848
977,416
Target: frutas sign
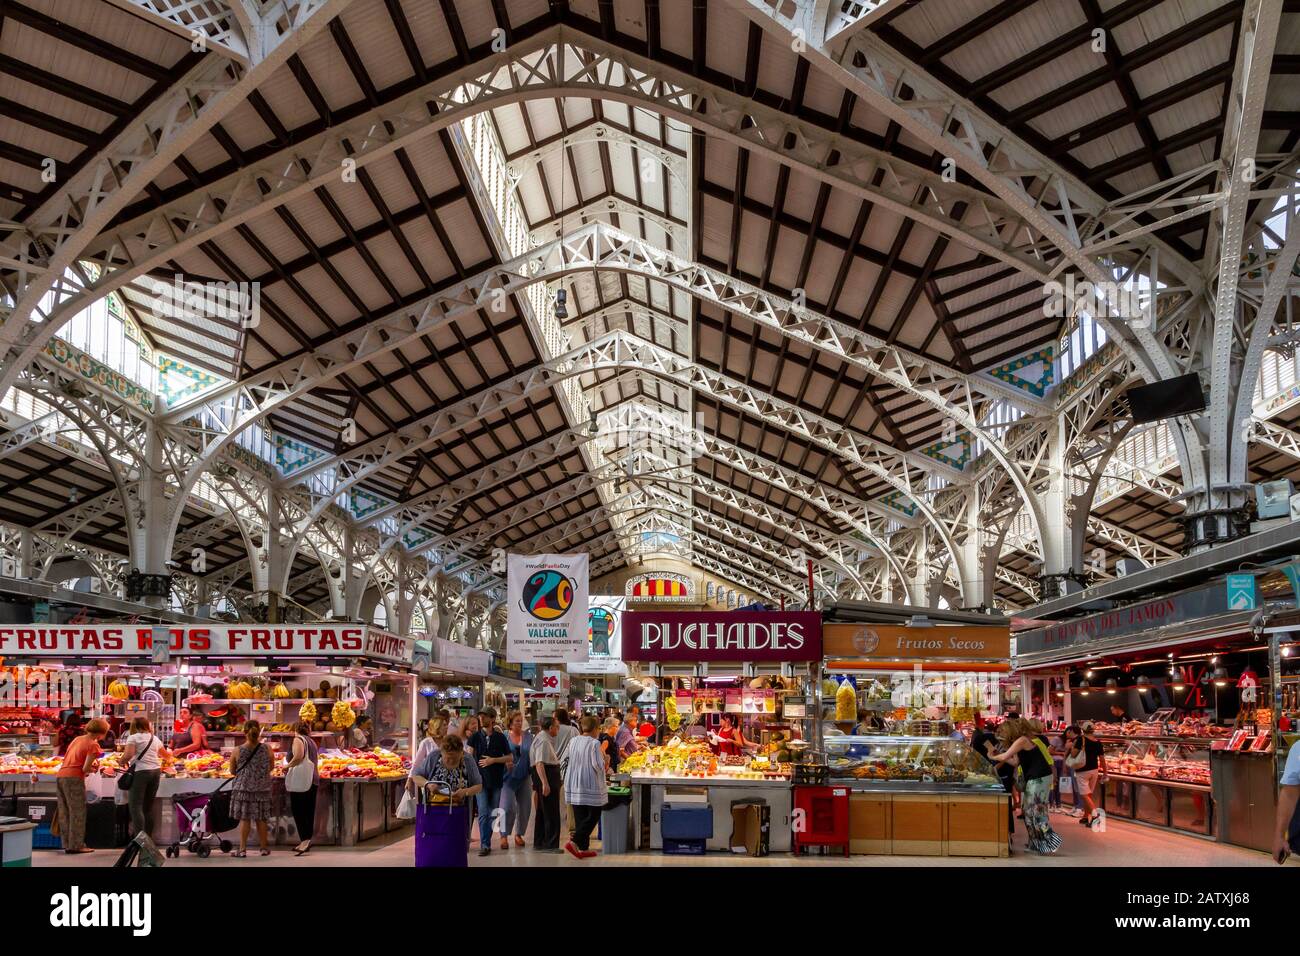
x,y
722,636
214,640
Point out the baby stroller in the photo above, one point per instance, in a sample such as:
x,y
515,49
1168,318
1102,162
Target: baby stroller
x,y
199,818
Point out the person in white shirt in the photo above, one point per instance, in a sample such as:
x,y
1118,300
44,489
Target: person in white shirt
x,y
1288,825
564,734
143,755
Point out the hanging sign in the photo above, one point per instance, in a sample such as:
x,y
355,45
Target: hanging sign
x,y
604,636
547,598
744,636
1243,592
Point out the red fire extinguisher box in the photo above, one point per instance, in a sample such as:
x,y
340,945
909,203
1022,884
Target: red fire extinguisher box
x,y
821,817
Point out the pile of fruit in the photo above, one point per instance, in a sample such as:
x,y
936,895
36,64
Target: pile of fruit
x,y
241,690
14,764
342,715
307,711
119,689
377,764
205,763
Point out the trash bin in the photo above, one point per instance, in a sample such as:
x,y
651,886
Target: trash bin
x,y
616,822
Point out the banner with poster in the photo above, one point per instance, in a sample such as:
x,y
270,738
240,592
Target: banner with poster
x,y
547,599
604,636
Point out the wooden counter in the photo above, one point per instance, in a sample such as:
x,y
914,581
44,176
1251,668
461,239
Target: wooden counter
x,y
920,823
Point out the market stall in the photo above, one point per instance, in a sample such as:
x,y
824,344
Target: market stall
x,y
325,675
1187,694
753,668
893,699
451,677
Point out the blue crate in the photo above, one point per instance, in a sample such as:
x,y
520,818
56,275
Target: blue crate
x,y
42,839
684,847
686,822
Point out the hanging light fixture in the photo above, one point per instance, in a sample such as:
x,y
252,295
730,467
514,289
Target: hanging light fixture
x,y
1143,683
1220,676
561,297
1112,686
1084,686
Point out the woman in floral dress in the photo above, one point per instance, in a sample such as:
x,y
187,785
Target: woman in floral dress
x,y
250,800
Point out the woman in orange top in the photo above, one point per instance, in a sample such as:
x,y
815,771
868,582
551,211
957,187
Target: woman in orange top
x,y
82,758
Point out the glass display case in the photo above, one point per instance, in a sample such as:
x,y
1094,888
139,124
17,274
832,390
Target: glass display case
x,y
908,763
1172,760
1161,781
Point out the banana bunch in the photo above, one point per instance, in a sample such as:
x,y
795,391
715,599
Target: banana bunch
x,y
341,714
119,689
307,711
280,692
670,711
239,690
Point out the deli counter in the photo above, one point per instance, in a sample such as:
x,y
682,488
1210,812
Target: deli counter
x,y
919,796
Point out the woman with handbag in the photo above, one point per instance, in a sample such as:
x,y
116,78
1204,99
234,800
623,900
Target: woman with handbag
x,y
1026,748
1087,758
250,800
143,753
301,778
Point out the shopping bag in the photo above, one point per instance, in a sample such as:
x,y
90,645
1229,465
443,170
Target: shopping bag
x,y
1065,785
406,807
1099,821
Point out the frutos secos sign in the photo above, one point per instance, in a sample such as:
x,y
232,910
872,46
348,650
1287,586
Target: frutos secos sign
x,y
722,636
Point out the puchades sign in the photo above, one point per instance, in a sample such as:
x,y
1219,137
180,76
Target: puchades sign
x,y
745,636
206,641
547,598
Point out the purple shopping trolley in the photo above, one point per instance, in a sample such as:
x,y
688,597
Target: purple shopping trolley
x,y
440,834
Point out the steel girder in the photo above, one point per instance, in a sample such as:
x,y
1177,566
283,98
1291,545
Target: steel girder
x,y
26,433
1151,552
594,247
1226,237
43,249
618,350
1273,259
554,63
1065,222
827,543
1275,436
672,162
728,562
560,62
630,418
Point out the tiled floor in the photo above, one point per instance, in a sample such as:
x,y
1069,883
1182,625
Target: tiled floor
x,y
1124,844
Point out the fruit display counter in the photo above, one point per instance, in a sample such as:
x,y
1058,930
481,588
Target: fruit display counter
x,y
358,797
685,771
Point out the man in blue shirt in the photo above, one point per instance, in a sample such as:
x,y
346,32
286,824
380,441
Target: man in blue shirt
x,y
1288,827
494,759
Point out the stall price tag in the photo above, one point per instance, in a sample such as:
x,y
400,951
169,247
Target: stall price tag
x,y
43,740
134,707
263,708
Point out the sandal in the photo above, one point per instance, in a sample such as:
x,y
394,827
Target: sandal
x,y
266,851
241,854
